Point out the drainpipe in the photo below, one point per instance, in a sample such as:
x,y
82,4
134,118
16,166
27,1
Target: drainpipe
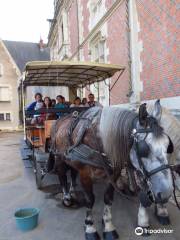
x,y
128,27
134,53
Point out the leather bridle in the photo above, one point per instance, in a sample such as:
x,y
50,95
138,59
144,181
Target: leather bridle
x,y
146,175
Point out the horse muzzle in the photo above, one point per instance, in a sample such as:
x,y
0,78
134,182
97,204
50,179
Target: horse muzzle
x,y
160,199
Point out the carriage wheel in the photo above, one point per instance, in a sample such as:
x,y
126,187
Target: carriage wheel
x,y
38,173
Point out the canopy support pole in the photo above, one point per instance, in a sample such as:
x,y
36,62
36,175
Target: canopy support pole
x,y
23,104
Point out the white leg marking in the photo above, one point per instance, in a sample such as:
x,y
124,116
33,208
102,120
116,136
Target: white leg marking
x,y
107,217
90,228
162,210
143,218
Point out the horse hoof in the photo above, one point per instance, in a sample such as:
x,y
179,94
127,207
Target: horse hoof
x,y
110,235
67,202
92,236
163,220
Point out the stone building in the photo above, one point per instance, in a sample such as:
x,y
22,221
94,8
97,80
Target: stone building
x,y
13,57
139,34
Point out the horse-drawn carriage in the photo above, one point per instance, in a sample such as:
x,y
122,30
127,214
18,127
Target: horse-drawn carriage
x,y
74,75
103,142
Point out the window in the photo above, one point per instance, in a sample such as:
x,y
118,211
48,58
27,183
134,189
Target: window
x,y
5,117
100,90
98,49
1,70
1,116
8,117
5,94
97,11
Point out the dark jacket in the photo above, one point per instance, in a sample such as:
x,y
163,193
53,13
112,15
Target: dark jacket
x,y
31,106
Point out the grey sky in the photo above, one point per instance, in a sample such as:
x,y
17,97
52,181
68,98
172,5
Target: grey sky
x,y
25,20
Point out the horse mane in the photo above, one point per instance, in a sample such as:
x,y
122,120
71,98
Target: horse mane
x,y
115,132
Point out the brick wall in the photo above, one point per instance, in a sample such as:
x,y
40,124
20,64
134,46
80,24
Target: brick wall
x,y
159,22
117,42
160,55
73,27
86,16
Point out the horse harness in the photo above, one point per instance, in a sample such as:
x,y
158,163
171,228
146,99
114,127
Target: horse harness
x,y
87,155
79,151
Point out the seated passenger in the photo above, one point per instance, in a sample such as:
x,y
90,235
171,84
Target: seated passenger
x,y
66,104
35,119
53,103
85,103
38,99
92,102
77,102
46,116
59,104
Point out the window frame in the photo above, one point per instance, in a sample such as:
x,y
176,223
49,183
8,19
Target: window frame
x,y
5,118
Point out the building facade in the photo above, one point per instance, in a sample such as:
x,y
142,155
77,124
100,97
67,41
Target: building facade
x,y
141,35
9,74
13,57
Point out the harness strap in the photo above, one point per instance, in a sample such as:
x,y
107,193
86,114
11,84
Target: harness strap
x,y
82,132
161,168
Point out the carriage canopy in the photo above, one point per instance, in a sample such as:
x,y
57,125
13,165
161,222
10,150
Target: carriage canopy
x,y
67,73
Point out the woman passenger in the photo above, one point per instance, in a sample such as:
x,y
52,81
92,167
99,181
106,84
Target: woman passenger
x,y
47,116
85,103
77,102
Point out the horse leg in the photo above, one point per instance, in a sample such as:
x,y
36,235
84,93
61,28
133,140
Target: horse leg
x,y
161,214
109,232
73,179
87,184
143,219
62,175
72,189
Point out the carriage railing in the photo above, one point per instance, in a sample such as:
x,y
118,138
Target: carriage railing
x,y
30,113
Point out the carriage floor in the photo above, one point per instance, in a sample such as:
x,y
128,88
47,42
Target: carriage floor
x,y
18,189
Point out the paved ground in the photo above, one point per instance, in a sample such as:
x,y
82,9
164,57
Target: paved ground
x,y
17,189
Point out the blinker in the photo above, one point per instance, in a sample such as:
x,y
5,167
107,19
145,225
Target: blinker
x,y
142,149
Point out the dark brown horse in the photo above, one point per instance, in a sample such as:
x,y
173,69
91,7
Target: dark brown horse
x,y
102,142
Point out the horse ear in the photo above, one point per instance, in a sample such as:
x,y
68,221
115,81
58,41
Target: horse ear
x,y
143,114
157,111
